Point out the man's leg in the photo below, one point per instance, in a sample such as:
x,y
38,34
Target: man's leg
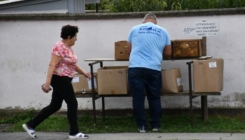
x,y
137,89
153,89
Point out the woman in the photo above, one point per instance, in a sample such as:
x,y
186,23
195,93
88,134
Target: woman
x,y
60,73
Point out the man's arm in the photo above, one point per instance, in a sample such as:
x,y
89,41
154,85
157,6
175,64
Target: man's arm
x,y
129,46
167,52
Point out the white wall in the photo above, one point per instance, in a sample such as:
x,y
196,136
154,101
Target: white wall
x,y
25,48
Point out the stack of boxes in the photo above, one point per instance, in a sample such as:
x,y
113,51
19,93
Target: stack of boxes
x,y
207,73
112,80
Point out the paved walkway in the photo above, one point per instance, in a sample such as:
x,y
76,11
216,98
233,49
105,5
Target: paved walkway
x,y
127,136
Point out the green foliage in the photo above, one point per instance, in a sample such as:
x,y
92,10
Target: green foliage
x,y
15,118
129,5
137,5
103,5
176,5
203,4
161,5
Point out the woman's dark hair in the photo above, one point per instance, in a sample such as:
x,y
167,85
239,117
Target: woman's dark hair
x,y
68,30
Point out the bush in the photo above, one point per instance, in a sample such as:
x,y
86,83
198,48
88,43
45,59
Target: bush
x,y
137,5
161,5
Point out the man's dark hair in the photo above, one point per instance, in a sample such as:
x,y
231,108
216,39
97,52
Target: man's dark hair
x,y
68,30
150,15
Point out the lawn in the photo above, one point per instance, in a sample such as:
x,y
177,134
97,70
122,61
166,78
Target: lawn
x,y
126,123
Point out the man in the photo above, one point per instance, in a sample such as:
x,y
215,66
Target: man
x,y
149,43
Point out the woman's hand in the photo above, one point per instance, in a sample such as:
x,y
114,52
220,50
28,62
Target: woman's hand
x,y
87,74
81,71
46,87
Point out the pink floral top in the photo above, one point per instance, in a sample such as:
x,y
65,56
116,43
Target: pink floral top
x,y
67,66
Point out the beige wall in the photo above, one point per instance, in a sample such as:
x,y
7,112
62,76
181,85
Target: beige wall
x,y
25,47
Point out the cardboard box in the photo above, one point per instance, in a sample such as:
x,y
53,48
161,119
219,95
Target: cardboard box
x,y
122,50
112,80
191,48
208,75
81,84
171,81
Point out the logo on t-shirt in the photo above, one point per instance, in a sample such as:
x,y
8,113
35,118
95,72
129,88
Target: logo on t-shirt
x,y
150,30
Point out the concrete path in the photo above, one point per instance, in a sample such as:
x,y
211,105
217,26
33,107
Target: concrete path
x,y
127,136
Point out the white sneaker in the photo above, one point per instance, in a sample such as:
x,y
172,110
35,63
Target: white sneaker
x,y
155,129
141,130
29,131
78,136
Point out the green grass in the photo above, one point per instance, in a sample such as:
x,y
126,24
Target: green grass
x,y
115,124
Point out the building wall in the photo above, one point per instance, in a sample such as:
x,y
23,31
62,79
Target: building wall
x,y
44,6
26,43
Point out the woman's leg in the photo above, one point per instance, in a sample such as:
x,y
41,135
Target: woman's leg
x,y
54,106
66,91
72,104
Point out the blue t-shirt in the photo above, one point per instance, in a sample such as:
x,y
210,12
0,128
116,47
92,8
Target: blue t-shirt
x,y
148,41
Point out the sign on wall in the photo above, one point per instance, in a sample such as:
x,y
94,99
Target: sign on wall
x,y
203,28
190,31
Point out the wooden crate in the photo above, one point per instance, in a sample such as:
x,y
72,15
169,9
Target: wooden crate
x,y
188,48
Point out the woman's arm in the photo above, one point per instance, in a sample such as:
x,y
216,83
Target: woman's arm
x,y
53,62
81,71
